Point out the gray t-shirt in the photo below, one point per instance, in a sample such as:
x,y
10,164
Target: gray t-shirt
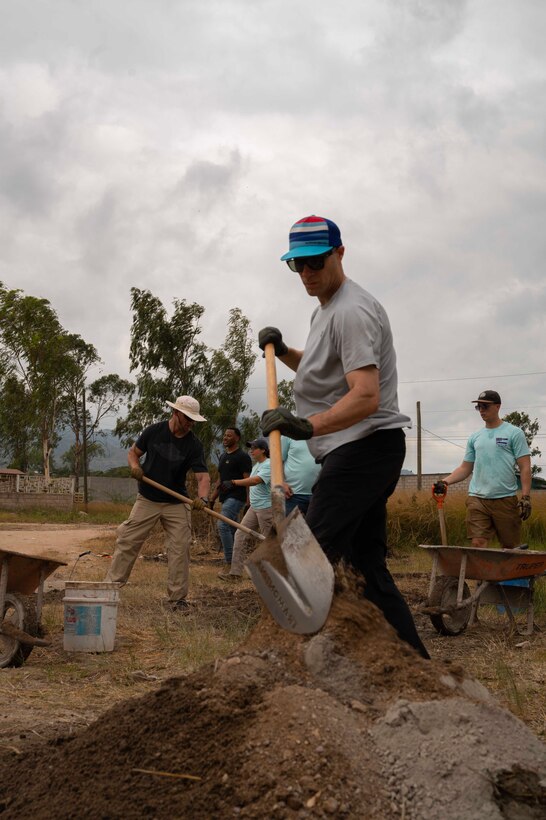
x,y
351,331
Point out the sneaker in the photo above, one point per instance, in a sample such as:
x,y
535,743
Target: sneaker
x,y
230,577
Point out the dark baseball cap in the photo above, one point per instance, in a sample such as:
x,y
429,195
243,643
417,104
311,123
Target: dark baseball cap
x,y
261,443
488,396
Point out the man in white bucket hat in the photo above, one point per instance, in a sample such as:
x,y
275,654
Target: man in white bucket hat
x,y
171,449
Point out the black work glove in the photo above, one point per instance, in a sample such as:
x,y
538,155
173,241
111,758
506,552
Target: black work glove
x,y
272,335
289,425
524,507
199,503
439,488
227,486
137,473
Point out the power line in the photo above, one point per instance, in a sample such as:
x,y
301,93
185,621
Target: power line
x,y
475,378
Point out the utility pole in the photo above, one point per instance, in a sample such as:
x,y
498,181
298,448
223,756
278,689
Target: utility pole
x,y
419,462
84,442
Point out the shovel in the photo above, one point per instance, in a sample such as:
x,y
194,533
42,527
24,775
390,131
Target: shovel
x,y
440,498
213,513
290,570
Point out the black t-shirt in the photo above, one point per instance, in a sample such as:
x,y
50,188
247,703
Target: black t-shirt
x,y
167,461
233,465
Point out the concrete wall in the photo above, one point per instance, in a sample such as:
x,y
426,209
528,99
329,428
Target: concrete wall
x,y
103,488
24,501
408,483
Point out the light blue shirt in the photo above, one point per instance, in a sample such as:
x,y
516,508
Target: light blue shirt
x,y
300,468
260,494
494,452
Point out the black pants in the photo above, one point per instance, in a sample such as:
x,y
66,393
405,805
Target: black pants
x,y
348,516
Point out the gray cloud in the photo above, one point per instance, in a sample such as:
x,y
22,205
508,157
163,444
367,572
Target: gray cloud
x,y
170,145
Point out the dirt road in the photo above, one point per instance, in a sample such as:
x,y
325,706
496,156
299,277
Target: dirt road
x,y
62,542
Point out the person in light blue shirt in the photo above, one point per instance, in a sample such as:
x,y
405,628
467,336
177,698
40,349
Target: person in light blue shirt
x,y
491,457
259,515
300,473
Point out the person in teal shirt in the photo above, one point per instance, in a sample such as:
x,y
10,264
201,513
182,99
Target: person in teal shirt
x,y
259,515
300,473
491,457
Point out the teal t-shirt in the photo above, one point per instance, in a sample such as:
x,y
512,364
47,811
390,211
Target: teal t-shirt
x,y
300,468
494,451
260,494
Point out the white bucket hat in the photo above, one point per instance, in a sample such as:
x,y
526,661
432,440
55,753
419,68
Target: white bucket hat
x,y
189,406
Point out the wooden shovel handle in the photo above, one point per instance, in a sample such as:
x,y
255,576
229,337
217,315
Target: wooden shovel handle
x,y
275,451
214,514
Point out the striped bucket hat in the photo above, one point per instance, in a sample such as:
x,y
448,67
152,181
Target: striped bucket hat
x,y
312,236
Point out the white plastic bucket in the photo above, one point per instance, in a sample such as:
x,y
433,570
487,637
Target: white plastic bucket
x,y
90,616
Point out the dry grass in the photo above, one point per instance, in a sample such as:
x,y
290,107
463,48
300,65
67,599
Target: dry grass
x,y
57,692
510,665
413,520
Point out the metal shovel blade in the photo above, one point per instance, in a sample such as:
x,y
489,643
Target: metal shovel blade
x,y
298,589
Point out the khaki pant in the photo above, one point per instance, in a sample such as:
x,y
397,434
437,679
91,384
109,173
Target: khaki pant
x,y
261,520
486,517
176,522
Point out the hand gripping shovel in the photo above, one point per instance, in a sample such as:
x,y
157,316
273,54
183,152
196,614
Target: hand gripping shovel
x,y
290,571
213,513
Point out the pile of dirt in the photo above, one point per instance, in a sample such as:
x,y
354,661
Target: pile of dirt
x,y
348,723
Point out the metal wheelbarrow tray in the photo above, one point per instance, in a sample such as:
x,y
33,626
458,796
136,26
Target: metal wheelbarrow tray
x,y
21,575
452,606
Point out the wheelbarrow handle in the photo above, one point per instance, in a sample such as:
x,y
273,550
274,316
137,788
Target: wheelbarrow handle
x,y
213,513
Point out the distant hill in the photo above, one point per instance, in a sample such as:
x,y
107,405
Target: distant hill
x,y
114,454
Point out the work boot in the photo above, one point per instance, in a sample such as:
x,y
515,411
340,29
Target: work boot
x,y
181,606
229,577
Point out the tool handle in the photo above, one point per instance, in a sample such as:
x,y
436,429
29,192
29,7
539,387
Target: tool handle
x,y
214,514
275,451
443,532
278,499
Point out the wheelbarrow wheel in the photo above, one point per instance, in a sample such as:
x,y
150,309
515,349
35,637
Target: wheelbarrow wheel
x,y
20,612
444,597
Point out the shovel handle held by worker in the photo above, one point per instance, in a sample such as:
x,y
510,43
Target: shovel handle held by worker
x,y
278,499
213,513
439,492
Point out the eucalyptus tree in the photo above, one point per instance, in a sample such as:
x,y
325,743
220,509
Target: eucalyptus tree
x,y
170,359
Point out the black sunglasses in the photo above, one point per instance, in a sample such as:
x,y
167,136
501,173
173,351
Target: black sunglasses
x,y
483,405
312,262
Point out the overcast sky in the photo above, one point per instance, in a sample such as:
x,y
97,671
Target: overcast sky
x,y
169,145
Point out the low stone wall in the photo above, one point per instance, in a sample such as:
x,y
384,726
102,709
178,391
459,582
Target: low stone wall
x,y
25,501
408,483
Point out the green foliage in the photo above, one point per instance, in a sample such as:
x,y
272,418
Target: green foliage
x,y
230,369
285,390
530,430
38,362
172,361
249,426
169,358
42,375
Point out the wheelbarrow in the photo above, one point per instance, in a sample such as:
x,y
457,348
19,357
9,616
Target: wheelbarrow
x,y
22,575
452,606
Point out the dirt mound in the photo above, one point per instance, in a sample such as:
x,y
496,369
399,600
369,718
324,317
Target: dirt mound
x,y
349,723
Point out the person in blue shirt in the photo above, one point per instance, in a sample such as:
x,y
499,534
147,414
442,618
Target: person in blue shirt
x,y
491,457
300,473
259,515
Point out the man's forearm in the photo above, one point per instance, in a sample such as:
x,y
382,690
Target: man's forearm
x,y
524,465
203,484
459,474
292,359
350,409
